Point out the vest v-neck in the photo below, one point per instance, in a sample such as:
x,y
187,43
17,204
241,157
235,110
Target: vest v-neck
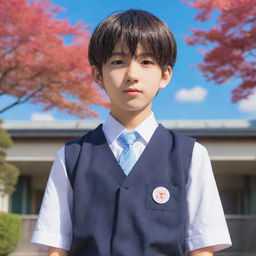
x,y
111,164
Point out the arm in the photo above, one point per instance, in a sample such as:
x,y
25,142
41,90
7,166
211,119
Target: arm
x,y
207,251
206,222
54,224
52,251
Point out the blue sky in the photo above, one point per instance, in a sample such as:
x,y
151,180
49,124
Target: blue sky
x,y
188,96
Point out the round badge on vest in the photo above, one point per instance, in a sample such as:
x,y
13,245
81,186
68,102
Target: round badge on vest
x,y
161,195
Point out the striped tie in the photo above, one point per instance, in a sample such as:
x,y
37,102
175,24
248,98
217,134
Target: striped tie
x,y
127,158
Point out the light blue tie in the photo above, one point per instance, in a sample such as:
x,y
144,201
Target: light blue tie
x,y
127,158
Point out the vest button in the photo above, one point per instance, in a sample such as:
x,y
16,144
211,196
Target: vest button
x,y
126,188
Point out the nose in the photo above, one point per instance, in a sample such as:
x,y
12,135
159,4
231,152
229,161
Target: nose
x,y
132,72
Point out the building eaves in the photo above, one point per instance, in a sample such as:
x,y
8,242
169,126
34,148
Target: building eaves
x,y
197,128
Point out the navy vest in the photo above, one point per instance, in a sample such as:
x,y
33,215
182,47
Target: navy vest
x,y
114,214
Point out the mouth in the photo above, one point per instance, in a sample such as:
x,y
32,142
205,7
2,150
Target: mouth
x,y
132,91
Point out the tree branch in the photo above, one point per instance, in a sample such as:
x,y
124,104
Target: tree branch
x,y
14,48
5,73
21,100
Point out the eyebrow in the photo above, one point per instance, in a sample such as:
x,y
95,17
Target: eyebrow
x,y
146,54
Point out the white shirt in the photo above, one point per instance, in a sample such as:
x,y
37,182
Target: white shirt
x,y
206,221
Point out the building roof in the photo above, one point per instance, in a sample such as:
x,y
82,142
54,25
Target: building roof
x,y
66,128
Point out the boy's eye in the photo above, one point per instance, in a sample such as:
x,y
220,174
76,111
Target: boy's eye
x,y
117,62
147,62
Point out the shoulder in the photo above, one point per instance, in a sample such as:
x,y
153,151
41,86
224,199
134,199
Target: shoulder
x,y
77,140
84,138
182,140
200,167
60,154
183,137
199,152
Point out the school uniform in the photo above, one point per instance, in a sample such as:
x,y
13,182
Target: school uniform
x,y
100,211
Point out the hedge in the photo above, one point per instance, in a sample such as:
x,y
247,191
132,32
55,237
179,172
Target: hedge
x,y
10,228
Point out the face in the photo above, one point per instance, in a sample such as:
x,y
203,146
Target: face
x,y
131,82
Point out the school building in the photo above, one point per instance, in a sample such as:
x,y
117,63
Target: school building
x,y
231,145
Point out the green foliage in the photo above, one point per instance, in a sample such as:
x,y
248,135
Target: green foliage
x,y
8,176
5,140
8,172
10,228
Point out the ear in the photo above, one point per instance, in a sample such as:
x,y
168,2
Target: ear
x,y
166,77
97,76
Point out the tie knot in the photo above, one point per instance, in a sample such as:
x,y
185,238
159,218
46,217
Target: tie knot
x,y
128,138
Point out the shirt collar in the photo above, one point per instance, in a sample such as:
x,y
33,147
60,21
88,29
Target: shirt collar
x,y
113,129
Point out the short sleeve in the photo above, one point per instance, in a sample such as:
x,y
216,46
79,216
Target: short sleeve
x,y
54,226
206,220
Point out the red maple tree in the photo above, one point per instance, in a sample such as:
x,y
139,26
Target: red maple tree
x,y
36,64
232,41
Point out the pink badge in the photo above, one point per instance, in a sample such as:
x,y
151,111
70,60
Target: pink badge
x,y
161,195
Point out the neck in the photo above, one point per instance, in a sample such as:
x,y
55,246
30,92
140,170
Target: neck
x,y
131,120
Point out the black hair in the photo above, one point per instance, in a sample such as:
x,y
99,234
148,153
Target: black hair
x,y
130,28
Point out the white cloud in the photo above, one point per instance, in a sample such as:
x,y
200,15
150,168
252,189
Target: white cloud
x,y
41,117
249,104
196,94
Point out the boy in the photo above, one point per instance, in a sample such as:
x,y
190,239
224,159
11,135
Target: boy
x,y
130,187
